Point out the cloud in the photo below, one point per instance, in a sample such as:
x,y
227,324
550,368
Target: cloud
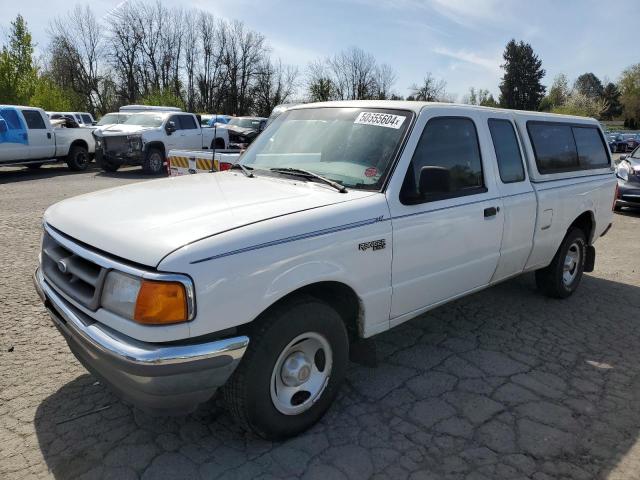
x,y
491,64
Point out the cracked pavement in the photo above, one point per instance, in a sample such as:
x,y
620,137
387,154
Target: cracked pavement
x,y
505,383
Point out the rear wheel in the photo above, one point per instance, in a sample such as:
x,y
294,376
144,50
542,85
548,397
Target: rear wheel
x,y
562,277
292,370
78,158
153,163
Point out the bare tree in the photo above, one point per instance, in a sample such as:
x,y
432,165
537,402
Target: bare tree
x,y
79,49
191,53
384,81
125,49
275,84
319,83
431,90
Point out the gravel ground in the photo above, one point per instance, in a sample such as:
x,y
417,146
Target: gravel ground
x,y
502,384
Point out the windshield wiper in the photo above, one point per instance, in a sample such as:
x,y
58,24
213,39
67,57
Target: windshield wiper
x,y
306,173
245,170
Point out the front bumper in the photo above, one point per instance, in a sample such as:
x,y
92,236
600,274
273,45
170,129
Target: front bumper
x,y
628,194
163,378
120,158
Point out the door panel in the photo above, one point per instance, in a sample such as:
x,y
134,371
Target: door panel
x,y
14,137
444,247
41,139
518,198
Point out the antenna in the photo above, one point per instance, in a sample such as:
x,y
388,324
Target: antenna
x,y
215,137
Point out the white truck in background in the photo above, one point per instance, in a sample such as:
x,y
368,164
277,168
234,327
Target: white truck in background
x,y
147,136
28,138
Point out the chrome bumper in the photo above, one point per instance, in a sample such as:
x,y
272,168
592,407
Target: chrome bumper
x,y
163,378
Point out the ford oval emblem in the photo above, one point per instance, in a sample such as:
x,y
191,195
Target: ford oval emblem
x,y
62,266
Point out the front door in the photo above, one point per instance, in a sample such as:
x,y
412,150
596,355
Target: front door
x,y
41,137
446,214
190,133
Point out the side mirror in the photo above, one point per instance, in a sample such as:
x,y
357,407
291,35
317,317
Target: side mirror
x,y
170,127
434,180
3,126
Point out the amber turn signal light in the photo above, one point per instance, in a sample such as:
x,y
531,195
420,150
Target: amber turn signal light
x,y
160,303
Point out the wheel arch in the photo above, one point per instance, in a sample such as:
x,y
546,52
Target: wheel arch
x,y
79,143
338,295
586,222
158,145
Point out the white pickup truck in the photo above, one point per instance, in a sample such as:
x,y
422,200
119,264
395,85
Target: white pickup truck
x,y
146,137
342,220
28,138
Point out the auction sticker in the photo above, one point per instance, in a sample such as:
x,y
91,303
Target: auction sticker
x,y
380,119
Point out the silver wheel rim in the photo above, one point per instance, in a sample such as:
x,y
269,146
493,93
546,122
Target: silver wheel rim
x,y
571,264
301,373
155,162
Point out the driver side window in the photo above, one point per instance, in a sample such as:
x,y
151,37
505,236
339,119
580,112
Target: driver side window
x,y
445,164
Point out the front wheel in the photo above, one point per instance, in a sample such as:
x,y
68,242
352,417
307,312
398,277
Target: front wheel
x,y
153,163
292,370
562,277
78,158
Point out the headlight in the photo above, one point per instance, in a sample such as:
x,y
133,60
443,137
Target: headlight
x,y
151,302
135,142
622,171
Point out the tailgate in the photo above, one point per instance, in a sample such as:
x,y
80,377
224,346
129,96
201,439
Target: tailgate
x,y
187,163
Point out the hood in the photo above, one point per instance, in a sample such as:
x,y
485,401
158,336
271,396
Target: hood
x,y
144,222
240,130
121,129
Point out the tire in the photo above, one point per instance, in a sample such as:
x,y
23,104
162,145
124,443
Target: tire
x,y
78,158
153,163
108,166
557,281
34,166
255,394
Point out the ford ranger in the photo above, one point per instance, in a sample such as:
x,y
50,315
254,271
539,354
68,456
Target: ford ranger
x,y
342,220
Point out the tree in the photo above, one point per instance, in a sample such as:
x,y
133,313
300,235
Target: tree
x,y
520,87
162,98
611,95
481,97
590,85
582,105
430,90
17,72
629,86
275,84
559,91
49,96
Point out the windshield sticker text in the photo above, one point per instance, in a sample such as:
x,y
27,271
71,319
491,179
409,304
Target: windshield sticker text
x,y
380,119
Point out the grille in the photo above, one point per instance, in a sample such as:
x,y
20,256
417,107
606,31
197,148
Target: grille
x,y
115,144
75,276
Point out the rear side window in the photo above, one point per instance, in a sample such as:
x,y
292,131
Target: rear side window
x,y
449,151
34,120
187,122
591,152
564,148
87,119
554,147
507,150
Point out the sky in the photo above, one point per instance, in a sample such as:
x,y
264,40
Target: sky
x,y
459,41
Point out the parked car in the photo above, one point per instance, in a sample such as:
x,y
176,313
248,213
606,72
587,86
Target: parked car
x,y
146,137
84,119
67,120
28,138
623,142
244,130
342,220
628,174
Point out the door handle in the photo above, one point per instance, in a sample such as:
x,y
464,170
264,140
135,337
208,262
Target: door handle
x,y
48,134
491,211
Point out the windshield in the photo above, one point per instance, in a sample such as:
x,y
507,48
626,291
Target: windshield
x,y
245,123
145,120
354,147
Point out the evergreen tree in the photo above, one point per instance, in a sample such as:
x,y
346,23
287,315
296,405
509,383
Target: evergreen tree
x,y
611,95
590,85
18,74
520,87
